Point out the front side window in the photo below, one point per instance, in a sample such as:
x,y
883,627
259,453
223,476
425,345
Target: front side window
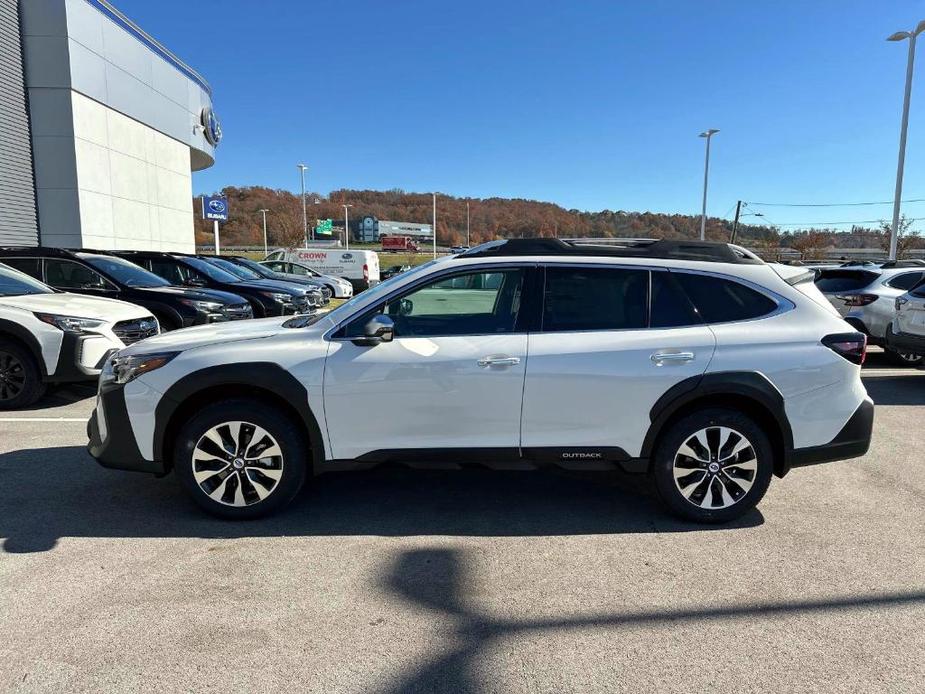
x,y
124,271
580,298
720,300
66,274
170,270
476,303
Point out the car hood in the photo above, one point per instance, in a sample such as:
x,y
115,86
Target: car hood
x,y
193,294
201,335
77,305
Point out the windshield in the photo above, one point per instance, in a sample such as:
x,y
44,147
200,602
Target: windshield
x,y
345,308
15,283
125,272
211,271
255,267
236,270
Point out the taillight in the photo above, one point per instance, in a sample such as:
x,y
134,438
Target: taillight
x,y
365,271
850,346
857,299
900,302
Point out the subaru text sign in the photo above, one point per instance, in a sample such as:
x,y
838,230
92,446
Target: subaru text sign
x,y
215,207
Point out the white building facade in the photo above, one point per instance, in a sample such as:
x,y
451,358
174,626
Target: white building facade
x,y
115,124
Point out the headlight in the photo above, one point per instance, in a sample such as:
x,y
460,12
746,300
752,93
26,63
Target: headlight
x,y
204,306
278,297
122,369
70,324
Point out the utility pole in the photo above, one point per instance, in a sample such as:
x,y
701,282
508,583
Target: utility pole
x,y
899,36
347,226
706,173
265,251
435,225
302,168
735,223
467,224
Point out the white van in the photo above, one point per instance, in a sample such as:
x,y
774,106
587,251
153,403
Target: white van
x,y
360,268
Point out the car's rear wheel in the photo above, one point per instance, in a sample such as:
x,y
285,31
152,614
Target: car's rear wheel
x,y
241,459
20,379
903,358
713,466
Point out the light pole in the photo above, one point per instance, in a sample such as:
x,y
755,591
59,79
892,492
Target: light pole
x,y
302,168
435,225
265,251
347,225
467,224
899,36
706,172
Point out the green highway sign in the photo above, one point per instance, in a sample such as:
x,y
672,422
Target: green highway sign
x,y
325,226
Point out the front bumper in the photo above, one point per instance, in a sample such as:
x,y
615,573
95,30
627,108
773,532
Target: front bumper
x,y
851,442
112,440
904,342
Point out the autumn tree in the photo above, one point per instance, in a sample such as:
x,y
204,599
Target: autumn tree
x,y
907,240
809,244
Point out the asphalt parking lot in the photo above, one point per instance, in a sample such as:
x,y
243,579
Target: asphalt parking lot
x,y
397,581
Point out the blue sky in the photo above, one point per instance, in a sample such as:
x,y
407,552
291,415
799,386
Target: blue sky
x,y
591,104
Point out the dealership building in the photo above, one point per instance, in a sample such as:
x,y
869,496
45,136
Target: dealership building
x,y
101,128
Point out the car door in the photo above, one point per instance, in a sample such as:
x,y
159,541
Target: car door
x,y
449,383
612,341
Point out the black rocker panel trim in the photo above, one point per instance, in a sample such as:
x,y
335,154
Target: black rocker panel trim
x,y
28,339
272,379
578,458
748,384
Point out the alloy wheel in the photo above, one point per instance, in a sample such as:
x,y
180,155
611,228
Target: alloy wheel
x,y
237,463
12,376
715,467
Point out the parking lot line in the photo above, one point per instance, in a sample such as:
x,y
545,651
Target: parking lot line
x,y
43,419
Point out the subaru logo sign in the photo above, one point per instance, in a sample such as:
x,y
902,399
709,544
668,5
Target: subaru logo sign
x,y
215,207
211,126
346,256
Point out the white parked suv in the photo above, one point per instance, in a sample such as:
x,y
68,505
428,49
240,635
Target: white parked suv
x,y
695,362
47,336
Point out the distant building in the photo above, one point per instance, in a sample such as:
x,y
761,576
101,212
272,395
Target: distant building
x,y
368,229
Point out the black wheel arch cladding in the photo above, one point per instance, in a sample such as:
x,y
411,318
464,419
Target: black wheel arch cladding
x,y
275,383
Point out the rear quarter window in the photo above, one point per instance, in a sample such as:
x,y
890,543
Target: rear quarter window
x,y
720,300
844,280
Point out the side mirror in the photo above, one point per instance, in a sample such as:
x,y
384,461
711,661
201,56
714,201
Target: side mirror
x,y
195,282
380,328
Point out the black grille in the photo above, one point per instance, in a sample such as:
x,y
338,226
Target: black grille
x,y
239,311
131,331
301,303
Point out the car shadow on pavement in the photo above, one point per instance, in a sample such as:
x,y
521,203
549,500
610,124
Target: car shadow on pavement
x,y
50,493
906,390
436,580
60,396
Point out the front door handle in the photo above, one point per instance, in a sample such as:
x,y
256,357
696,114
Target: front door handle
x,y
660,358
498,360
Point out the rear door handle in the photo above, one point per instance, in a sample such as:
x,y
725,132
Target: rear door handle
x,y
660,358
498,360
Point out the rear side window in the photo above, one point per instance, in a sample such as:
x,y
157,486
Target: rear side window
x,y
31,266
844,280
670,306
719,300
905,281
595,299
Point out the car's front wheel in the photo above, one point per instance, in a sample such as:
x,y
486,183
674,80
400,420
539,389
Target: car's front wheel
x,y
713,466
20,379
241,459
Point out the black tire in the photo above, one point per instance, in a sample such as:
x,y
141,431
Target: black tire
x,y
721,485
898,359
292,468
20,378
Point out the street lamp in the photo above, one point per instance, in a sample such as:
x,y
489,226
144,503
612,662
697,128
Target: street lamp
x,y
467,224
706,172
302,168
347,225
899,36
264,212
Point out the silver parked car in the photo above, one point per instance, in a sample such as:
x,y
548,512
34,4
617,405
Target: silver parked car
x,y
865,295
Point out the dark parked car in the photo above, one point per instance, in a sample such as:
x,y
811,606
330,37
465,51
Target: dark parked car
x,y
99,273
240,269
266,297
392,271
263,271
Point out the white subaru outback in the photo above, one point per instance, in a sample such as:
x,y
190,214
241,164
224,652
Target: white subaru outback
x,y
695,362
47,336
